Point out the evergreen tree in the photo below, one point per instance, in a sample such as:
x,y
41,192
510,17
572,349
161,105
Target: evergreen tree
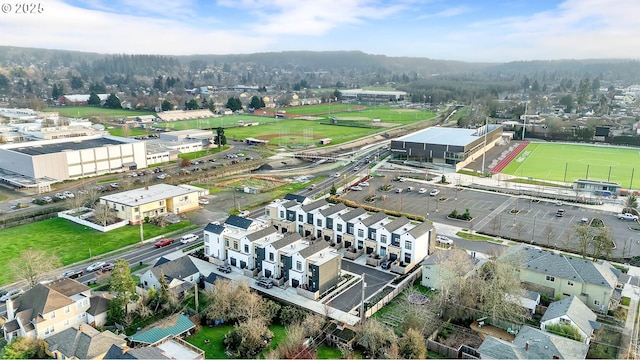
x,y
113,102
93,99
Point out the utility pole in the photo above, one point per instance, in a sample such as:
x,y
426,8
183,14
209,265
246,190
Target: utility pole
x,y
363,317
141,231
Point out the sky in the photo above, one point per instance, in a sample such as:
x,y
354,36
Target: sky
x,y
472,30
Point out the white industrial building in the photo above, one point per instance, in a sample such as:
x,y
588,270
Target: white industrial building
x,y
47,161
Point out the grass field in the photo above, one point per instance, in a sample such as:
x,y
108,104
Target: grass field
x,y
71,242
87,111
215,348
388,114
549,161
318,109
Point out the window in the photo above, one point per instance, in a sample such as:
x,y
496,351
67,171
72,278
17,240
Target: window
x,y
270,256
82,315
569,283
360,233
235,245
550,278
383,239
49,330
268,212
53,315
67,309
596,302
246,248
407,245
298,265
226,242
136,209
339,227
300,217
281,214
66,323
319,222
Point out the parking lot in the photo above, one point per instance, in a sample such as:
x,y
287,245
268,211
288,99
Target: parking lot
x,y
533,221
375,280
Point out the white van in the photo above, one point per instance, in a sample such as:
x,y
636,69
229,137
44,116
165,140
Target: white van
x,y
185,239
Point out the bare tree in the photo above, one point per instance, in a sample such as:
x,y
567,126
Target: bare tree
x,y
412,345
602,243
125,130
584,235
76,201
32,265
103,214
500,290
453,268
376,338
519,229
548,232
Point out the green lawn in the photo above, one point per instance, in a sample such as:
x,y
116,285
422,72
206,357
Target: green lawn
x,y
549,161
326,352
117,131
71,242
213,123
86,111
318,109
215,349
387,114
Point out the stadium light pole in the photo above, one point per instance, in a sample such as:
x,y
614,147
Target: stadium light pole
x,y
524,121
484,148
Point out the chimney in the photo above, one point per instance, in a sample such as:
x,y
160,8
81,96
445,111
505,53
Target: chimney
x,y
80,327
526,346
125,349
10,311
146,187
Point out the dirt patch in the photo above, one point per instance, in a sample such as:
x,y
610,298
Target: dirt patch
x,y
496,332
462,336
384,124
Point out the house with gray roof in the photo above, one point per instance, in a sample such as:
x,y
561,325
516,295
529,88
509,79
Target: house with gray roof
x,y
180,274
572,312
98,307
82,342
595,283
531,343
126,353
46,309
219,238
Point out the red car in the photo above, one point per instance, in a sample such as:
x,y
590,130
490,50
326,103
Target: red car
x,y
164,242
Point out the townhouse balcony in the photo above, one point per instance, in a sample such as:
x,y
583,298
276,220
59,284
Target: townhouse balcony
x,y
353,253
375,260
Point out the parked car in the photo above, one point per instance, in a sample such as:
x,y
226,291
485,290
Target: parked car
x,y
444,240
434,192
60,196
356,188
364,183
628,216
398,190
185,239
68,194
164,242
265,283
10,294
114,185
95,266
386,264
560,213
47,199
409,188
422,191
203,201
402,179
226,268
161,176
73,274
107,267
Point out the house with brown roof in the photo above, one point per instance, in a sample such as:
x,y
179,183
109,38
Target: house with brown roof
x,y
47,309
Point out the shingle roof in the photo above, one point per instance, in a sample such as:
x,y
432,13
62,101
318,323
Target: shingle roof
x,y
147,353
43,299
176,269
214,228
313,248
238,221
67,287
396,224
574,309
377,217
84,343
314,205
297,198
542,345
290,204
353,214
262,233
421,229
333,209
98,305
173,326
288,239
562,266
161,261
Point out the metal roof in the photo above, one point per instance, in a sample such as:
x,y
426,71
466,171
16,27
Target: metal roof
x,y
445,136
175,326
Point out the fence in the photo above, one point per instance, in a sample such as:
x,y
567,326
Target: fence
x,y
447,351
408,281
79,220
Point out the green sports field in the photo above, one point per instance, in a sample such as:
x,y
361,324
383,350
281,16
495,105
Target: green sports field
x,y
549,161
87,111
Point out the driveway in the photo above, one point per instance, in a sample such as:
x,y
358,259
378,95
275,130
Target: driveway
x,y
375,280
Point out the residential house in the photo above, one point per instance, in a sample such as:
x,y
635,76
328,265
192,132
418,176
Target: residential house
x,y
47,309
595,283
126,353
531,343
322,265
151,201
242,253
82,342
98,307
271,265
220,238
572,312
181,274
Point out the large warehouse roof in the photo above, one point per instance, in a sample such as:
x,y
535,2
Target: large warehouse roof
x,y
38,148
445,136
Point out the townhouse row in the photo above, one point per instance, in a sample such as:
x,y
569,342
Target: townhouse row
x,y
296,241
